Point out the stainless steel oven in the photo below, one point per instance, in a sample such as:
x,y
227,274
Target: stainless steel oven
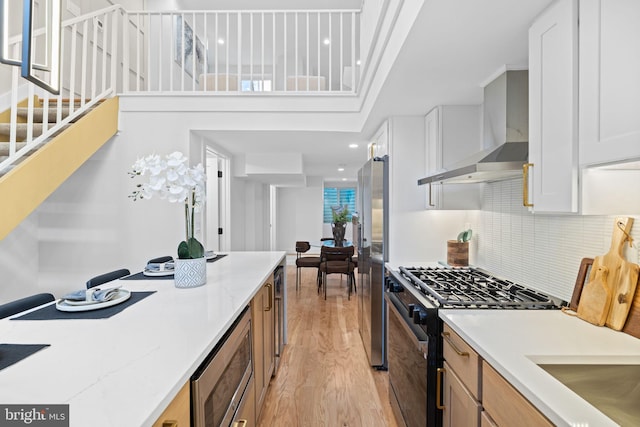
x,y
414,297
218,386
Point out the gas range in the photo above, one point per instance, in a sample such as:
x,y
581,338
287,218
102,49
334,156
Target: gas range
x,y
414,297
470,287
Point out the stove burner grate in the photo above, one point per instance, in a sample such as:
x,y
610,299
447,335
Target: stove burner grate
x,y
473,288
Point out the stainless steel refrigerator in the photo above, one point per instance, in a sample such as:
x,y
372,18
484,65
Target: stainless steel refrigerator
x,y
372,235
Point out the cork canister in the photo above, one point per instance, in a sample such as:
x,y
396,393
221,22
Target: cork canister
x,y
457,253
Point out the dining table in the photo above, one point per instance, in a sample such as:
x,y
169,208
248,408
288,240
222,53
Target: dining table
x,y
329,243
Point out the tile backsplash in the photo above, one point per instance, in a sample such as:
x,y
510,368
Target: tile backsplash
x,y
539,250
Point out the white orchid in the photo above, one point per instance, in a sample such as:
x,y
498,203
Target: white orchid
x,y
171,179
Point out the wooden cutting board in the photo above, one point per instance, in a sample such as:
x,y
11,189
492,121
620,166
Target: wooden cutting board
x,y
632,326
581,280
622,278
595,299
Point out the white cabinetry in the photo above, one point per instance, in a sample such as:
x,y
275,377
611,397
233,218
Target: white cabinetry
x,y
452,133
553,100
609,81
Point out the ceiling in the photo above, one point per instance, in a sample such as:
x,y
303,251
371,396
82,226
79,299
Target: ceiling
x,y
453,49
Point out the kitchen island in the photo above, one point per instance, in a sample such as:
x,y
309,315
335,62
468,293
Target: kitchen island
x,y
124,370
516,342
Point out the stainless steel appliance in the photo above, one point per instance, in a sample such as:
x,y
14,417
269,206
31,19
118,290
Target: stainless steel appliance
x,y
506,135
218,386
278,284
415,294
372,234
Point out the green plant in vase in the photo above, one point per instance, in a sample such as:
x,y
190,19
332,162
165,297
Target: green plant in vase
x,y
340,215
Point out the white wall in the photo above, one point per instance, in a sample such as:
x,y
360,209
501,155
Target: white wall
x,y
542,251
414,234
299,216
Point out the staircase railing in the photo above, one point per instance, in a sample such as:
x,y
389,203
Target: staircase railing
x,y
89,72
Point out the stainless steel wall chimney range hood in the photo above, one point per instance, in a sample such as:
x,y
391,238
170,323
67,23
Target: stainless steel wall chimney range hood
x,y
505,134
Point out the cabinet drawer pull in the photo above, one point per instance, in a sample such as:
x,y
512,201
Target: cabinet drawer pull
x,y
447,337
270,287
439,404
525,185
430,191
170,423
240,423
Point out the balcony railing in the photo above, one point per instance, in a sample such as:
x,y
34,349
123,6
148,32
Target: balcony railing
x,y
294,52
244,51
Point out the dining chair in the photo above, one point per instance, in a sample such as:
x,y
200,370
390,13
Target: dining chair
x,y
22,304
305,261
337,260
107,277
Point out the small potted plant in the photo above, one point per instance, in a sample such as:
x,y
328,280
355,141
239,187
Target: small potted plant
x,y
171,179
340,214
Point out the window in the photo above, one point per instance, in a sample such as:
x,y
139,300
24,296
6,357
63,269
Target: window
x,y
256,85
338,197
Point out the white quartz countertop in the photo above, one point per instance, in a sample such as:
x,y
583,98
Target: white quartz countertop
x,y
124,371
515,341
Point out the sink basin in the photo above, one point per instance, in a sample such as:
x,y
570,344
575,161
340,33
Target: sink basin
x,y
614,389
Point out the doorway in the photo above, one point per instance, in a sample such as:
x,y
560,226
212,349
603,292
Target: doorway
x,y
217,237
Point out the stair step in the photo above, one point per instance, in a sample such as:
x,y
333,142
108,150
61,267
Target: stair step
x,y
38,114
21,130
4,149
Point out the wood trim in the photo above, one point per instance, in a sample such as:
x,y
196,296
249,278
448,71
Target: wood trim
x,y
25,187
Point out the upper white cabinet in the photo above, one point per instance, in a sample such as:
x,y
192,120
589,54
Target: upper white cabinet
x,y
609,81
452,133
553,107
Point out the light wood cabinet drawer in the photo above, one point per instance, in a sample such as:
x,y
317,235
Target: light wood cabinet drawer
x,y
461,409
463,360
178,413
505,404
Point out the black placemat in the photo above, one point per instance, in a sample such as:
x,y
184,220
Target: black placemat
x,y
50,312
219,256
13,353
141,276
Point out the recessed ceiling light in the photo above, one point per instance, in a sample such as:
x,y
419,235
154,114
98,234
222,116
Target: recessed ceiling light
x,y
220,40
353,145
326,41
358,62
344,179
340,169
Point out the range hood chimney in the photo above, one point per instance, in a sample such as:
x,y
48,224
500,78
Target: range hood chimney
x,y
505,135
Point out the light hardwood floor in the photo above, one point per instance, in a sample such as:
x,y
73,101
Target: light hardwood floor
x,y
324,377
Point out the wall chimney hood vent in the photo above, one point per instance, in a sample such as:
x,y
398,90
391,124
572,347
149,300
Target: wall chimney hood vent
x,y
505,134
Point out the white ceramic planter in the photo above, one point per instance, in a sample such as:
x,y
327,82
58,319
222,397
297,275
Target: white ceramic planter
x,y
190,273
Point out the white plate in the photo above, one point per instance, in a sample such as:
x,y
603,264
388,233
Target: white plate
x,y
210,255
63,305
152,273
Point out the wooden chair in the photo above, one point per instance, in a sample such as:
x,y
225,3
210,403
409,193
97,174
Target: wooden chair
x,y
305,261
337,261
107,277
23,304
